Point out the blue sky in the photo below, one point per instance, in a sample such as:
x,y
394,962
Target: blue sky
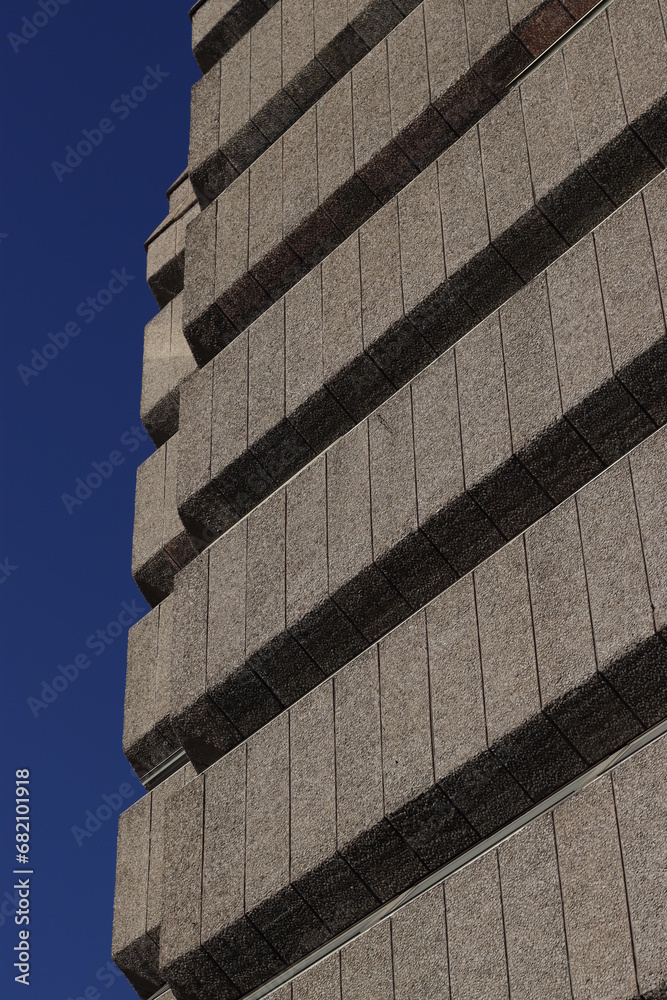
x,y
72,267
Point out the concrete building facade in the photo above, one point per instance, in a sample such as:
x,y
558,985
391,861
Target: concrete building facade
x,y
400,704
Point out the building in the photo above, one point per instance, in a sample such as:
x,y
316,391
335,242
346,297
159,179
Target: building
x,y
400,703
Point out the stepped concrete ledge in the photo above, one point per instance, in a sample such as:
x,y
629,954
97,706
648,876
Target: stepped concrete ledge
x,y
298,51
168,361
234,455
307,366
544,166
497,694
531,405
165,247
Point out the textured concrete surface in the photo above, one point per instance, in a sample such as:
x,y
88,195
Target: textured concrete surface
x,y
161,543
507,916
404,529
353,787
265,79
612,396
133,950
168,361
348,194
349,531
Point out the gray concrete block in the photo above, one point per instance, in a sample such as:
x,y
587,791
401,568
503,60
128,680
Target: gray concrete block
x,y
639,786
537,957
226,933
152,568
134,951
416,125
473,779
434,829
612,152
380,163
309,405
181,360
422,253
355,583
582,705
271,651
271,261
475,933
306,227
528,744
210,170
235,471
180,549
272,904
647,464
366,965
164,265
159,409
407,754
625,642
202,729
545,443
242,696
457,93
343,196
597,404
239,137
593,892
270,106
366,840
314,620
266,373
633,307
392,342
200,506
640,49
276,444
145,741
317,872
164,649
456,525
565,192
319,982
188,969
412,564
351,375
493,475
204,326
482,275
514,221
237,293
457,697
419,948
156,873
305,77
